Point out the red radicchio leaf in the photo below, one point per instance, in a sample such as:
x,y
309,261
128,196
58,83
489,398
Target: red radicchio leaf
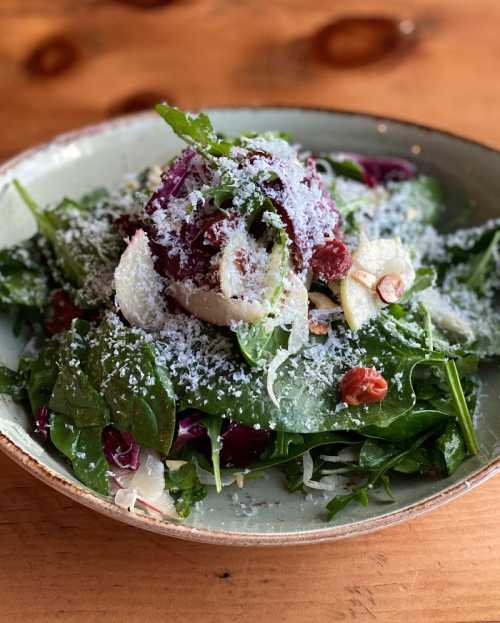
x,y
120,448
42,421
190,428
63,311
380,170
241,445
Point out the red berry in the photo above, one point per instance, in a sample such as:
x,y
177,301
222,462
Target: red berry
x,y
363,386
331,260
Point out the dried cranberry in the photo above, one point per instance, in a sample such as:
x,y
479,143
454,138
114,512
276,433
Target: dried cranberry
x,y
331,260
63,312
363,386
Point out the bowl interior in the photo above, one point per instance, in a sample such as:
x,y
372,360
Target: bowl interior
x,y
101,156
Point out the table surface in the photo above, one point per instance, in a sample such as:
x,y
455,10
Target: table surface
x,y
62,562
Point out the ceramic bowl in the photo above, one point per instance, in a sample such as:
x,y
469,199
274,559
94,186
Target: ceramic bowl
x,y
263,513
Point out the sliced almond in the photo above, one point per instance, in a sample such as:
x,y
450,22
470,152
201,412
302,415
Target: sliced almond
x,y
364,278
317,327
390,288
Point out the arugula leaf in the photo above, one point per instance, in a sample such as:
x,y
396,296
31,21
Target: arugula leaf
x,y
213,425
339,502
423,198
425,277
84,259
196,130
83,447
260,342
477,274
184,486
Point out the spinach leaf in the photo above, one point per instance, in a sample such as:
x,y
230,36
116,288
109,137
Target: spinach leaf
x,y
11,384
344,168
138,391
452,447
38,373
23,279
195,130
83,447
74,396
307,386
184,486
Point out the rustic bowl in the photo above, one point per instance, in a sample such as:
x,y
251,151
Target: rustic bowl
x,y
263,513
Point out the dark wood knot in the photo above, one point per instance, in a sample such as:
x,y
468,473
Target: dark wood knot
x,y
142,100
354,41
51,57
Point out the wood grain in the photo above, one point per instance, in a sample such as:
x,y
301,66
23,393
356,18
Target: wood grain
x,y
61,562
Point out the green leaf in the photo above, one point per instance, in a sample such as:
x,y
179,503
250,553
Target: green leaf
x,y
38,372
424,278
85,259
213,425
196,130
74,396
23,278
339,502
477,276
345,168
461,407
122,365
452,447
185,488
83,447
11,384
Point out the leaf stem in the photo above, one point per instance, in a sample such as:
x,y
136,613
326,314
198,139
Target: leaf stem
x,y
463,414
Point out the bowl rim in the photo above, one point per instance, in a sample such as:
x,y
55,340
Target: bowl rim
x,y
225,537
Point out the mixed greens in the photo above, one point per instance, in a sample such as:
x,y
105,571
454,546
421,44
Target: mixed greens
x,y
250,305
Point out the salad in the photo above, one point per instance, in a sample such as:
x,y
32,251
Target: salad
x,y
249,306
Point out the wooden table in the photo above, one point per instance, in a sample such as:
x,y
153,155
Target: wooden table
x,y
61,562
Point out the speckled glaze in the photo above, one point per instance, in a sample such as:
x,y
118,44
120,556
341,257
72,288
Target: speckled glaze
x,y
263,513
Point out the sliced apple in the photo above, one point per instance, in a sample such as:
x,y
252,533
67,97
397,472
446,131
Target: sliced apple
x,y
139,288
214,307
242,265
446,315
372,260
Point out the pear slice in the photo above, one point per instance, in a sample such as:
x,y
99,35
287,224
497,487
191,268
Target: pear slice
x,y
214,307
139,288
372,260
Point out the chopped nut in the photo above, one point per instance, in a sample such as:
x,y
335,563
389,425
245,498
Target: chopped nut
x,y
390,287
365,279
317,327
